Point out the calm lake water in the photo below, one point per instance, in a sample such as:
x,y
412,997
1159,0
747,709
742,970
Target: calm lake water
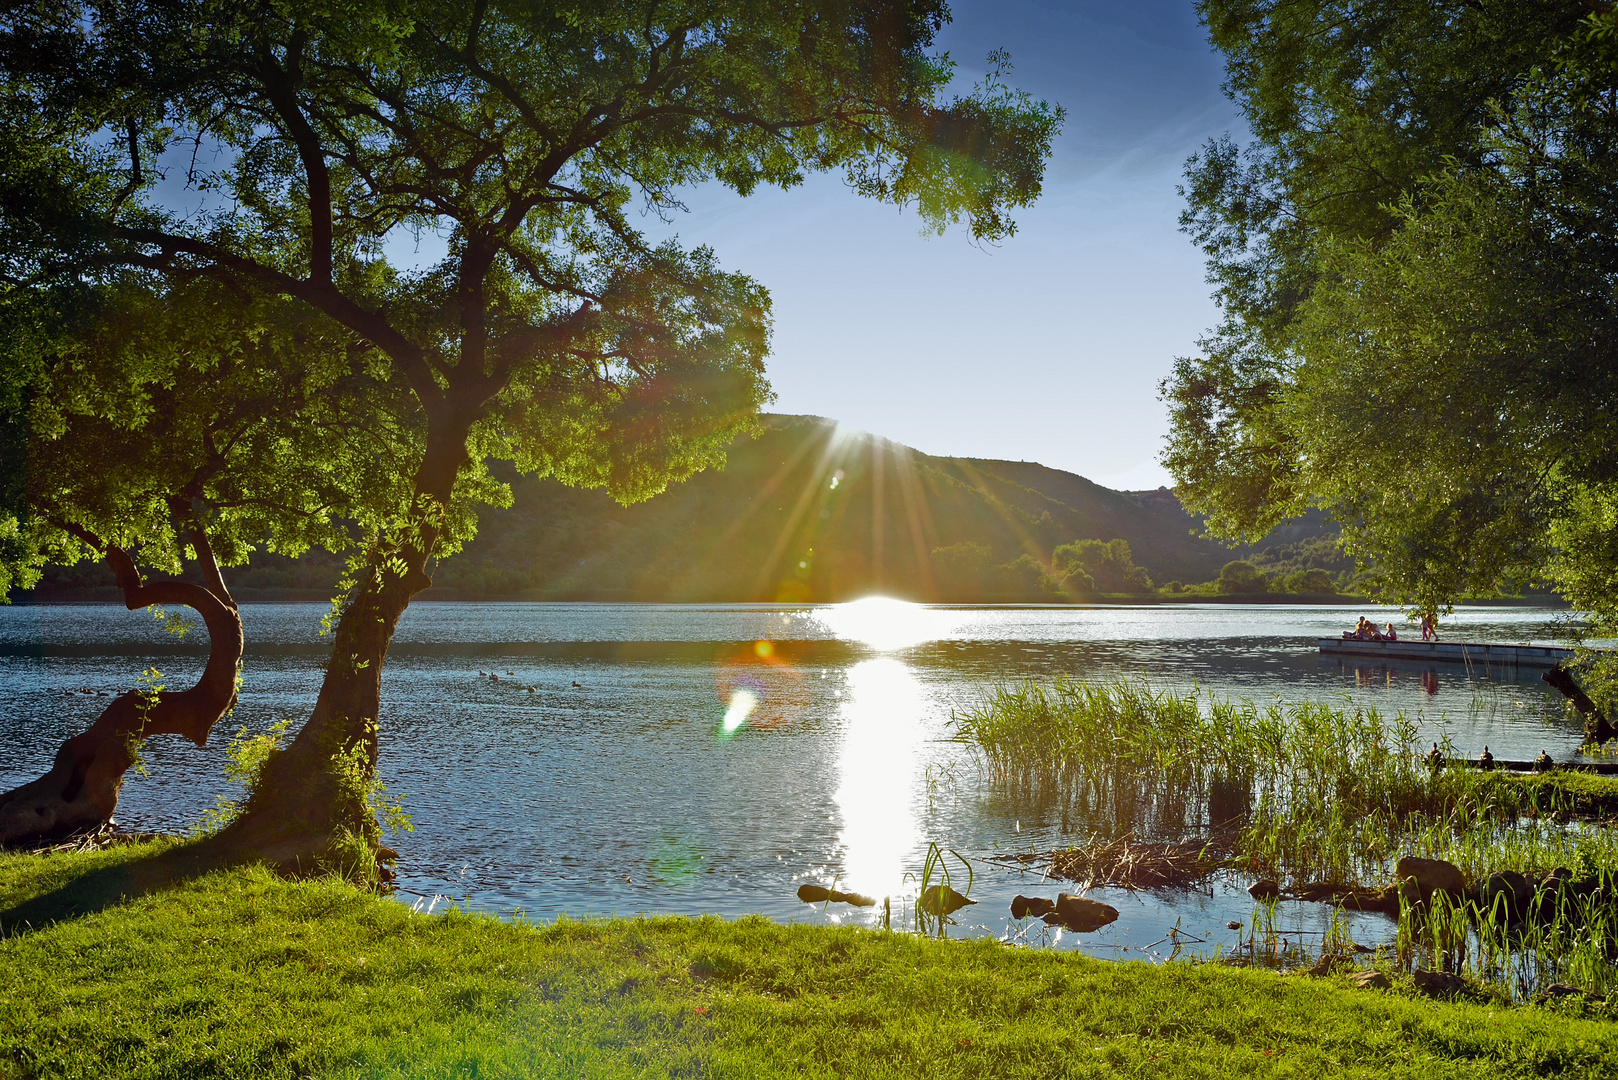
x,y
697,759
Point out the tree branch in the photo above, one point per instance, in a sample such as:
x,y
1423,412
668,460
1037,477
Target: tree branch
x,y
280,89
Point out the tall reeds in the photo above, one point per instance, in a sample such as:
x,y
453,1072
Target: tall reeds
x,y
1306,792
1300,791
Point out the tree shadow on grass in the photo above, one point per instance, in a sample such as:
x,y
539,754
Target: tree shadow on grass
x,y
102,887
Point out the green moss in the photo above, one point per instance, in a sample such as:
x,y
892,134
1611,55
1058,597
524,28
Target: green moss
x,y
238,973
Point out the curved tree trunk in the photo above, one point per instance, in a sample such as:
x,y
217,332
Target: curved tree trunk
x,y
80,792
1597,730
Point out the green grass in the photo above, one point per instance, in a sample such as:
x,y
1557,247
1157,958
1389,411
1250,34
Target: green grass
x,y
1581,794
235,973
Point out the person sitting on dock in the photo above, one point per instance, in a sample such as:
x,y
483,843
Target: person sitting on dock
x,y
1486,760
1435,758
1390,634
1365,630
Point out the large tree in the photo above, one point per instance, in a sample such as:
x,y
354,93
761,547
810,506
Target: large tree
x,y
1415,258
164,427
283,150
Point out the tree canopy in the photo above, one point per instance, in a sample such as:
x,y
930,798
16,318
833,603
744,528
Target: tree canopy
x,y
1415,258
279,154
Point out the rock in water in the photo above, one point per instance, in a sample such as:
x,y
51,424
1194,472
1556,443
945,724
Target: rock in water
x,y
942,900
1384,900
1508,892
1024,906
1264,889
1080,914
1420,878
819,894
1316,891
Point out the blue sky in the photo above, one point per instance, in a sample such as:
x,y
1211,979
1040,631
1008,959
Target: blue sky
x,y
1048,348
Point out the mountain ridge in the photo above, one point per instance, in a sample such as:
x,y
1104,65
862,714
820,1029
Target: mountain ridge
x,y
807,510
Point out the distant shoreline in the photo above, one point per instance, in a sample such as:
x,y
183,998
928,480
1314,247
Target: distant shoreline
x,y
111,595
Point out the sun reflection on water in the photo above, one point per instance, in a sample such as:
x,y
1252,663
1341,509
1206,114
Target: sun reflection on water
x,y
881,743
885,623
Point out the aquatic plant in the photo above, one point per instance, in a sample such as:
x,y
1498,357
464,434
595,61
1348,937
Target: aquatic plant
x,y
1299,790
1308,792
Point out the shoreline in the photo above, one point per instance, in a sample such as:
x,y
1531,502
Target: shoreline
x,y
443,596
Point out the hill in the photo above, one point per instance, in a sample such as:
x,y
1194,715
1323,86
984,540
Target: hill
x,y
812,511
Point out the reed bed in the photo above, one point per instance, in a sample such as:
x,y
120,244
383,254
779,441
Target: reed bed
x,y
1306,792
1300,791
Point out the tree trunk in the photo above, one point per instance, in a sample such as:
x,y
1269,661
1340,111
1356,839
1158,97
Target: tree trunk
x,y
1597,730
310,808
80,792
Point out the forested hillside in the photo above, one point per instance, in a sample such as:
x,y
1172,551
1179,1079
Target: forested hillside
x,y
809,511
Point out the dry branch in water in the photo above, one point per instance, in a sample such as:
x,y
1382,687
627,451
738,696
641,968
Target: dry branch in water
x,y
1135,864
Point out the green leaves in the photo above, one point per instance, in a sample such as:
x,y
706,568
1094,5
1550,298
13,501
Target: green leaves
x,y
1416,257
240,175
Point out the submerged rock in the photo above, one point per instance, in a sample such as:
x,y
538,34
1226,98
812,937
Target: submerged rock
x,y
1384,900
1264,889
1080,914
1316,891
1420,878
1024,906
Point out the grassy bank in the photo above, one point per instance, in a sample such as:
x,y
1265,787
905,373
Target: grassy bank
x,y
236,973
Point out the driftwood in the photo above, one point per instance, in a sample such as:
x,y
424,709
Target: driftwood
x,y
1135,864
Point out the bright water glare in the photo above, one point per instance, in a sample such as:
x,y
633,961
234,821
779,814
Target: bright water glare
x,y
712,758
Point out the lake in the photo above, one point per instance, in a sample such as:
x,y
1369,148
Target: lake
x,y
710,759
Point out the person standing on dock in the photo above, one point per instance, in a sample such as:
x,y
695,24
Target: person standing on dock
x,y
1429,627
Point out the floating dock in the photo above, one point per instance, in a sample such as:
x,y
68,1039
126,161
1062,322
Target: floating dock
x,y
1470,653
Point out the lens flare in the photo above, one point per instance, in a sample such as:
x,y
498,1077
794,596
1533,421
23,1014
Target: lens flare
x,y
742,703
